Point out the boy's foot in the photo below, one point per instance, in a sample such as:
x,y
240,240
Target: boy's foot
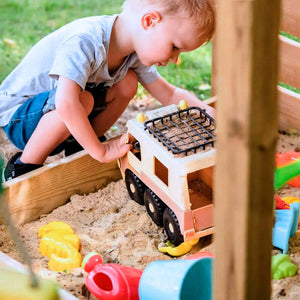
x,y
15,168
72,146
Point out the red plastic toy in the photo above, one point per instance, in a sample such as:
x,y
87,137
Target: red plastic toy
x,y
280,204
111,281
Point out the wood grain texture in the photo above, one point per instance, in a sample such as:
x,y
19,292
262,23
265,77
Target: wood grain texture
x,y
247,64
289,106
289,68
290,17
40,191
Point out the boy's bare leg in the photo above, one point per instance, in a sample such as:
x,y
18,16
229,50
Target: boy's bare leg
x,y
117,98
49,133
51,130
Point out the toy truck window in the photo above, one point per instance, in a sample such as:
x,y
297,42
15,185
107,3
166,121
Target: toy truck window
x,y
200,188
161,171
136,148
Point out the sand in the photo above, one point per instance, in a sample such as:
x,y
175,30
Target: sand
x,y
120,230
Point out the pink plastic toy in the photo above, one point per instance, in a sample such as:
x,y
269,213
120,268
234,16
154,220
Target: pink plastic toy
x,y
111,281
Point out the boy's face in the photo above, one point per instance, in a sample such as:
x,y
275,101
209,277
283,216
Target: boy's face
x,y
163,39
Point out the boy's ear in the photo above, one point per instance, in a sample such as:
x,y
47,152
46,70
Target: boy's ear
x,y
150,19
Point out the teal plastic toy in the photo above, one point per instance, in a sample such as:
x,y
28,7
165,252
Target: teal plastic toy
x,y
177,279
286,220
282,266
1,164
286,224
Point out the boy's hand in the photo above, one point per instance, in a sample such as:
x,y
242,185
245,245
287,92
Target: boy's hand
x,y
167,94
115,149
209,109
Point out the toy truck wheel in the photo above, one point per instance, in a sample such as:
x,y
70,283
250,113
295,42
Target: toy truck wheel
x,y
154,206
135,187
172,228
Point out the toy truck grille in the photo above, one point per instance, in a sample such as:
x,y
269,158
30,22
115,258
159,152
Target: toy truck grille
x,y
183,131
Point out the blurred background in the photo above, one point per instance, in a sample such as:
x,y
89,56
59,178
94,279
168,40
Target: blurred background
x,y
25,22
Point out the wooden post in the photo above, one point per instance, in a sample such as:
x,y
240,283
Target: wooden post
x,y
247,63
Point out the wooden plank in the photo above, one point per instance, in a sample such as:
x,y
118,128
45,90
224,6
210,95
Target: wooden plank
x,y
211,101
7,261
42,190
214,72
289,106
247,57
289,68
290,17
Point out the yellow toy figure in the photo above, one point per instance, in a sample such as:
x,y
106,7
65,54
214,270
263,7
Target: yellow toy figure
x,y
182,249
17,285
60,245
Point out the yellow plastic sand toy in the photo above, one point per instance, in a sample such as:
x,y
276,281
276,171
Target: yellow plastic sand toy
x,y
60,245
182,249
290,200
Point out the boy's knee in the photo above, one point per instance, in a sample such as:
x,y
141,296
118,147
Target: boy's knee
x,y
127,87
87,101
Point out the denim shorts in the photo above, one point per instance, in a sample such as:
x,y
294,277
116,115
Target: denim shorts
x,y
24,121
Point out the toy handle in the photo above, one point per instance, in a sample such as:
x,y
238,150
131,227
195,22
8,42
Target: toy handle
x,y
104,282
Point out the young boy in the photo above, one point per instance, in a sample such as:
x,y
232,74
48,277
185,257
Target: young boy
x,y
79,79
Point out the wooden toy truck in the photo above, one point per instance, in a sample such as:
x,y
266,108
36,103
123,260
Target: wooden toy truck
x,y
169,169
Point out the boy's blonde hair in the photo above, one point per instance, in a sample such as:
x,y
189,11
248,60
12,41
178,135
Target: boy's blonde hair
x,y
203,12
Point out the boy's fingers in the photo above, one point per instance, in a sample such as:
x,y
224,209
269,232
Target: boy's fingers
x,y
125,148
124,139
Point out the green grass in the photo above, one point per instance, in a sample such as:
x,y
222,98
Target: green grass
x,y
26,21
193,74
281,83
294,38
291,88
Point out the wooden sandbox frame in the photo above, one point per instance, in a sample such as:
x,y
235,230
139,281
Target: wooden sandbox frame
x,y
247,111
40,191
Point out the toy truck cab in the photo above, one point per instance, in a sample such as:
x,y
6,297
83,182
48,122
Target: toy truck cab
x,y
169,169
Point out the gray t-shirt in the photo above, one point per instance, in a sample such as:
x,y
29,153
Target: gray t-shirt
x,y
77,51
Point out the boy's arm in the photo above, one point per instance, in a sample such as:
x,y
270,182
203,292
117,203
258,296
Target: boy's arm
x,y
168,94
74,116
